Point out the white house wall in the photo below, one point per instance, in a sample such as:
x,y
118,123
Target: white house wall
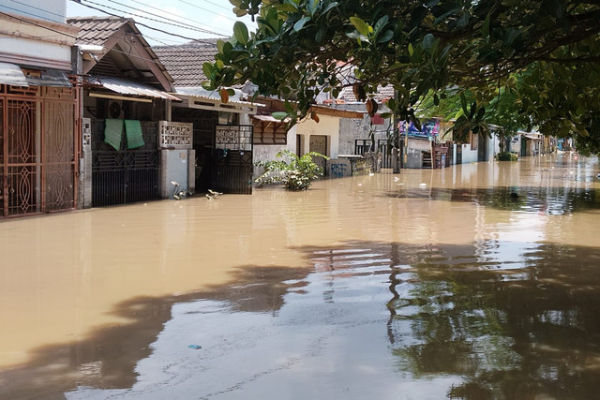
x,y
468,155
15,49
328,126
44,44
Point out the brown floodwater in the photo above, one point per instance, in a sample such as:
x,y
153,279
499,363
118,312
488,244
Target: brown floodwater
x,y
478,281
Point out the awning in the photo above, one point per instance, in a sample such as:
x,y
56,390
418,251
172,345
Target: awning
x,y
126,87
49,77
533,136
213,95
268,118
11,74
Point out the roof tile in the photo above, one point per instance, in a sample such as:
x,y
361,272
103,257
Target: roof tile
x,y
184,62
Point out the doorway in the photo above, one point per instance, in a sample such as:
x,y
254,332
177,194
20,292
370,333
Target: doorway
x,y
318,143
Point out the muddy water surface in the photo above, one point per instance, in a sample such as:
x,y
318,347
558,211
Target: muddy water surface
x,y
478,281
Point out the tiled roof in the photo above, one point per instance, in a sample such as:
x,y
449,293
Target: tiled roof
x,y
184,62
97,30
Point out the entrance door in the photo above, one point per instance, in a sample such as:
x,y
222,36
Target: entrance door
x,y
38,150
318,143
523,147
21,158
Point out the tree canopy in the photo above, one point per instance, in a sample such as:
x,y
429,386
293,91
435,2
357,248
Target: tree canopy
x,y
523,62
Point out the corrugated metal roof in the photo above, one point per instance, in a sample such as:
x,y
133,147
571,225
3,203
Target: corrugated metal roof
x,y
11,74
50,78
202,93
184,62
268,118
124,86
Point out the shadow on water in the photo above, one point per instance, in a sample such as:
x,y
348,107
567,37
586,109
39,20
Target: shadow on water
x,y
547,200
107,358
510,320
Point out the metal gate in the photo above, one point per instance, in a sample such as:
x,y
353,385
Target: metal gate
x,y
124,176
38,149
232,159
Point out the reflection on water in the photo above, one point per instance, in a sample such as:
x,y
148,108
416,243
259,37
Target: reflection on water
x,y
428,284
374,318
549,200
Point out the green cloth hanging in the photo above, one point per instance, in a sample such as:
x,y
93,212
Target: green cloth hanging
x,y
133,130
113,131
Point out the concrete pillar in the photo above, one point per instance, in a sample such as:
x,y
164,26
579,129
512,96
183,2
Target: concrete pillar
x,y
85,164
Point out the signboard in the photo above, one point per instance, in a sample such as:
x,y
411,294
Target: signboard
x,y
429,128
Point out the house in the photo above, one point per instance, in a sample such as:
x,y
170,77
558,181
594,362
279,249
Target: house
x,y
39,105
272,136
126,110
222,131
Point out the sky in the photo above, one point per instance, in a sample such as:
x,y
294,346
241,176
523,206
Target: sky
x,y
215,16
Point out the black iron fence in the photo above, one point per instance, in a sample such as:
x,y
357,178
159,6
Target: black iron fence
x,y
125,176
382,150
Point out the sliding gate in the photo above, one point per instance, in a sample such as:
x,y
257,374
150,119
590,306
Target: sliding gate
x,y
232,159
38,149
124,176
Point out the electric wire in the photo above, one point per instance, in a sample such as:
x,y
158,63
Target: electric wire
x,y
179,23
189,3
161,10
220,5
150,18
33,23
142,24
37,8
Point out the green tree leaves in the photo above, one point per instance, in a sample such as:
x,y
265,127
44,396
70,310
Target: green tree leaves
x,y
240,32
522,62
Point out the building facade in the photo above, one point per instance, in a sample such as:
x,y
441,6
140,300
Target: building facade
x,y
39,109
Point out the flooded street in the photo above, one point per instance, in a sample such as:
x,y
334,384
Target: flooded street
x,y
479,281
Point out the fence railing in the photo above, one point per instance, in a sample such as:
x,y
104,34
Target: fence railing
x,y
382,150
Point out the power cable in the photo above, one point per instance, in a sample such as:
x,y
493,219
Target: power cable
x,y
149,18
163,11
33,23
220,5
142,24
37,8
75,37
204,9
179,23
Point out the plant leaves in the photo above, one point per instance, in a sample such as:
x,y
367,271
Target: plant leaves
x,y
361,26
386,37
240,32
300,23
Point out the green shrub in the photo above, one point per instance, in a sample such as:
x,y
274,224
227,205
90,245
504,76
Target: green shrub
x,y
507,156
294,172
